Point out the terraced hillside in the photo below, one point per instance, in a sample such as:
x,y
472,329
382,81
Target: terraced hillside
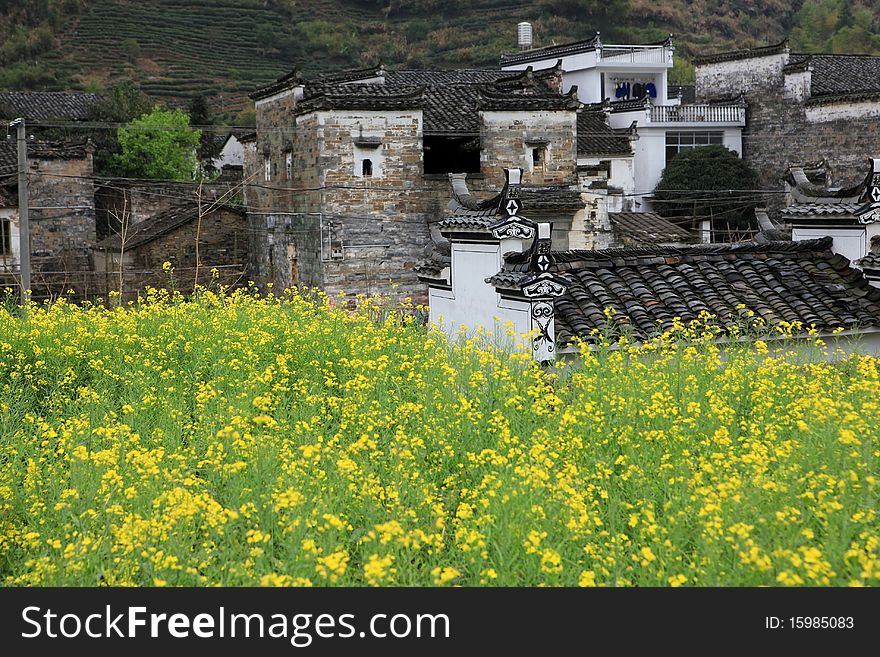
x,y
226,48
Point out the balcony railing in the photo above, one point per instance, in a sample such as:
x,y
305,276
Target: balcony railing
x,y
635,54
698,114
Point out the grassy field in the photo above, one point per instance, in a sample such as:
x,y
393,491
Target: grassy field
x,y
262,441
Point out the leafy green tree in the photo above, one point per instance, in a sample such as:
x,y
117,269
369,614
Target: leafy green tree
x,y
710,182
125,102
159,145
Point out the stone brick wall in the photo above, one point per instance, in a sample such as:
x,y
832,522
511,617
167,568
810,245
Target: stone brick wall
x,y
62,226
332,227
223,244
509,137
783,126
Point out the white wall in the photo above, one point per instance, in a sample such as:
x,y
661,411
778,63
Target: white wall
x,y
589,84
848,242
731,77
232,154
472,302
649,161
842,111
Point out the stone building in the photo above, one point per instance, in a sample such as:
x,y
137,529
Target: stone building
x,y
61,217
349,172
119,200
800,108
194,240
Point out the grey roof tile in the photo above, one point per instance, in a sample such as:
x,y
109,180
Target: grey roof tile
x,y
821,209
647,228
647,287
43,105
40,150
844,74
596,137
161,224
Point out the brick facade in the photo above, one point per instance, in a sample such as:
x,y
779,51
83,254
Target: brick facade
x,y
61,217
332,226
223,245
787,121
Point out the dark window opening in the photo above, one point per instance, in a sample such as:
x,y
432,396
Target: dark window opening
x,y
538,156
681,141
5,237
452,154
367,168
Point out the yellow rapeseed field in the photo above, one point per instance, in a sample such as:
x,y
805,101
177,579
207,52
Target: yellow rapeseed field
x,y
247,440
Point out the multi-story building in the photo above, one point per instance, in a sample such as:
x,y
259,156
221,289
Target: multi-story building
x,y
813,111
349,174
634,80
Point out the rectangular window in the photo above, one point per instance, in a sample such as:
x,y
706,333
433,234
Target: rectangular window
x,y
452,154
680,141
538,156
288,165
5,237
267,164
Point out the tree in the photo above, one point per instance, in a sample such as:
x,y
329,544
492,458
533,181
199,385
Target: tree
x,y
200,115
710,182
124,103
159,145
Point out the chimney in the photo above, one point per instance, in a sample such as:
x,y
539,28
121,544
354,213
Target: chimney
x,y
524,35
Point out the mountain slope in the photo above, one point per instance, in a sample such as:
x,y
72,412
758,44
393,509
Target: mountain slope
x,y
225,48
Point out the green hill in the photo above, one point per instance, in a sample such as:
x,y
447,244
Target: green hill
x,y
225,48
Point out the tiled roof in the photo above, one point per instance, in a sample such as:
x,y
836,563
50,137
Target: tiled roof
x,y
361,96
39,150
480,215
634,105
844,74
746,53
163,223
444,77
647,287
549,52
853,96
41,105
283,83
452,109
469,220
490,99
647,228
596,137
822,209
451,100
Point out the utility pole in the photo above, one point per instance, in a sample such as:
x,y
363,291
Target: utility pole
x,y
24,233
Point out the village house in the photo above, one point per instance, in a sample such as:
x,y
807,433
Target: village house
x,y
805,108
505,273
61,217
194,239
633,81
349,173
